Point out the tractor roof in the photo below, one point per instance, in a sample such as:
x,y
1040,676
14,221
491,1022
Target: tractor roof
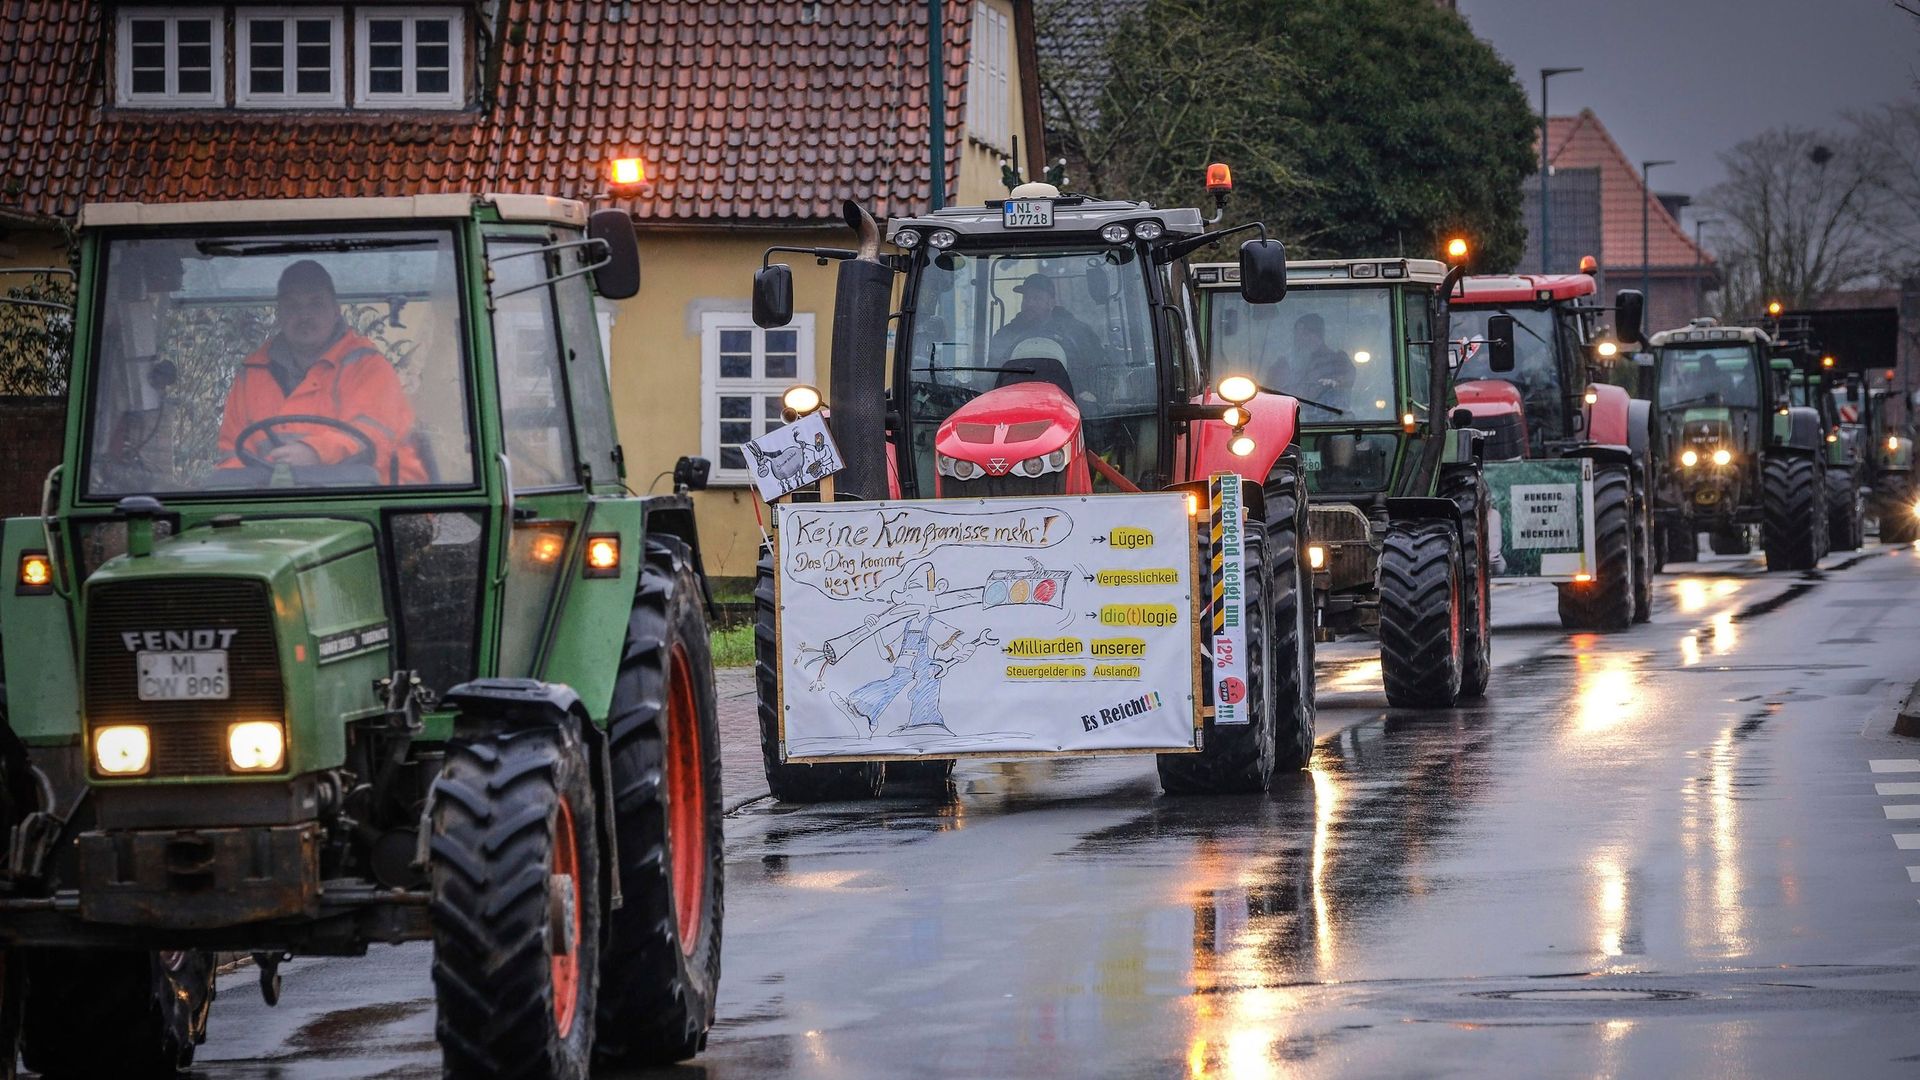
x,y
534,208
1074,216
1522,288
1319,272
1706,335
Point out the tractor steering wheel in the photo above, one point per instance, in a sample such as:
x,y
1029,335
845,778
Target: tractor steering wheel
x,y
363,456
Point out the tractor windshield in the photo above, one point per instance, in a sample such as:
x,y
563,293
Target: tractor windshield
x,y
1078,319
1536,370
250,362
1333,349
1697,375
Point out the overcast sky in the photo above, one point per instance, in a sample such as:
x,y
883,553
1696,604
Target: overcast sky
x,y
1686,79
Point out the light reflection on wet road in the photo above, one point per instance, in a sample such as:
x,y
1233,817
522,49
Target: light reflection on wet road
x,y
1652,853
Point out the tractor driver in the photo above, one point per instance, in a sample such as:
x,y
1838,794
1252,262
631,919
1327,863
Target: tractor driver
x,y
1041,316
1318,371
316,365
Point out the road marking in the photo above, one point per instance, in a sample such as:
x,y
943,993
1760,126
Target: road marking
x,y
1907,841
1913,873
1895,764
1897,789
1903,812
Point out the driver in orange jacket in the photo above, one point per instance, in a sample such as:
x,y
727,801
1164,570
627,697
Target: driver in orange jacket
x,y
317,366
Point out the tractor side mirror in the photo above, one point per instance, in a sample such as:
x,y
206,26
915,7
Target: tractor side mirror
x,y
619,277
773,296
690,473
1500,342
1263,271
1099,289
1629,315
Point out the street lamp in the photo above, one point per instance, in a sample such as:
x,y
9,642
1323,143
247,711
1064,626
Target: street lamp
x,y
1646,214
1546,244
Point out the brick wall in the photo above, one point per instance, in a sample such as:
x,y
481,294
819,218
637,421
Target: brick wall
x,y
30,430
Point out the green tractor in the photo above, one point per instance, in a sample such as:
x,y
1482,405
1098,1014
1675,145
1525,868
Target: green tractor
x,y
1398,507
1732,449
340,627
1885,456
1812,387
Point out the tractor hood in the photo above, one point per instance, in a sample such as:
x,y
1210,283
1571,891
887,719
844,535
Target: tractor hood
x,y
1006,427
257,549
1488,397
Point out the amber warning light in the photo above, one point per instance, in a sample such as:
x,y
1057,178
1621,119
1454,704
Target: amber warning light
x,y
629,170
1219,178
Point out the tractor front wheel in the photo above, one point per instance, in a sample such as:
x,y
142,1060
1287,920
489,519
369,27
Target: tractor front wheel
x,y
1683,543
108,1012
1468,490
1792,494
515,869
1290,631
1732,540
828,781
660,972
1422,617
1607,601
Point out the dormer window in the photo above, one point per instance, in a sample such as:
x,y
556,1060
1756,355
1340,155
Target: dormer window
x,y
289,57
172,58
410,59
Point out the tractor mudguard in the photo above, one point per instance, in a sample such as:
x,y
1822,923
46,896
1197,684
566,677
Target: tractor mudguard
x,y
1464,446
1272,420
1617,454
1800,429
1607,419
37,662
673,514
1640,426
1422,508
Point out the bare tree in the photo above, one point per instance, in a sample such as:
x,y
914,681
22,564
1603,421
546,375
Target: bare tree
x,y
1892,134
1802,217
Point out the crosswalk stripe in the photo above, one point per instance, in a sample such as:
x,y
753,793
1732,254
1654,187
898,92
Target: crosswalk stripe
x,y
1913,873
1897,789
1907,841
1903,812
1895,764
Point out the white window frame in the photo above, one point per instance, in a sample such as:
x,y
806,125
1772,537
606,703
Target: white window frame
x,y
245,98
171,98
712,386
989,67
409,97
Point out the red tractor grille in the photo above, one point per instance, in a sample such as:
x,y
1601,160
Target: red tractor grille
x,y
189,737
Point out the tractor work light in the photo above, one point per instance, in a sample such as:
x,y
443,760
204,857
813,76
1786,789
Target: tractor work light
x,y
1722,456
1607,350
603,556
1591,397
906,238
1148,230
1241,446
1115,233
1688,459
1238,389
942,238
256,746
628,171
1893,443
1316,556
122,749
1457,248
1236,416
800,400
36,574
1832,437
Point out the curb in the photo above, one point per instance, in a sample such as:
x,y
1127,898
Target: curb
x,y
1907,721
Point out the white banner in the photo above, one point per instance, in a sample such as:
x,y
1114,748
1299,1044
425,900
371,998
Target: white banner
x,y
987,626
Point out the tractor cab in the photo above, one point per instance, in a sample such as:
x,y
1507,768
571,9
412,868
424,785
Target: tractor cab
x,y
1055,351
1713,390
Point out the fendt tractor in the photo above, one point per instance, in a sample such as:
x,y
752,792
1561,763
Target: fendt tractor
x,y
1398,520
1886,459
1733,451
1563,417
1058,501
1809,386
339,627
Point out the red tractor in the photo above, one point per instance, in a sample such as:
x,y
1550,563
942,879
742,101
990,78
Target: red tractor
x,y
1043,355
1563,400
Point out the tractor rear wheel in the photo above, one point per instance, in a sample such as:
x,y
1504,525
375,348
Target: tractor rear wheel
x,y
1237,757
1422,614
1846,529
1791,496
1468,490
926,777
514,862
1607,601
112,1012
660,971
829,781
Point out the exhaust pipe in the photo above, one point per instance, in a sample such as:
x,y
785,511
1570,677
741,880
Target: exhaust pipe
x,y
863,302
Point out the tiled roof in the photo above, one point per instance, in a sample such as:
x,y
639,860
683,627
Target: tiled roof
x,y
1581,142
765,112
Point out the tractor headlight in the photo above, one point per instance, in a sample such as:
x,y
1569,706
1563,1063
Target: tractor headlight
x,y
1237,389
801,399
906,238
1057,459
1688,459
1033,466
1148,230
1722,456
1115,233
122,749
958,468
256,746
942,239
1241,445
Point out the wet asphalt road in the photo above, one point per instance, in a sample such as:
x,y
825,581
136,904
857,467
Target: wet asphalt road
x,y
1683,850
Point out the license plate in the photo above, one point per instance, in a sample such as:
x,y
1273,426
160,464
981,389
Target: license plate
x,y
1028,213
183,676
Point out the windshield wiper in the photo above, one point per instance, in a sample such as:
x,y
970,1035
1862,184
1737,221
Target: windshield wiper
x,y
1334,409
243,249
1704,399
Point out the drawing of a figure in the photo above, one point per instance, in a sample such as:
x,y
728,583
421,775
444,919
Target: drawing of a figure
x,y
921,654
819,456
